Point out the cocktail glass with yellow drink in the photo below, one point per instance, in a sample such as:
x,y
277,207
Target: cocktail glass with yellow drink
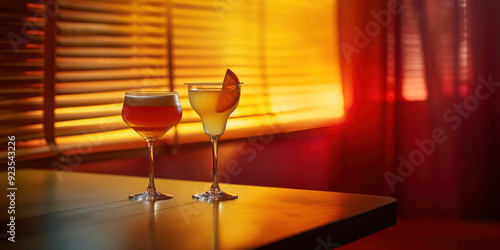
x,y
214,102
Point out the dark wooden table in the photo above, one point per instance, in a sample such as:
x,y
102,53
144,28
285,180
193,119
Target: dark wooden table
x,y
70,210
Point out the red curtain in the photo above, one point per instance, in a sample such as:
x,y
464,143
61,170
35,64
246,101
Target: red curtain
x,y
422,89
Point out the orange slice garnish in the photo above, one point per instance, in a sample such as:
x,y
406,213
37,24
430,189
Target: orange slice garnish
x,y
228,96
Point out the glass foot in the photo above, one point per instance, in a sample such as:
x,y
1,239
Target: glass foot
x,y
150,195
215,196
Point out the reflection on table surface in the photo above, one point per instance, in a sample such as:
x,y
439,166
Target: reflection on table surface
x,y
69,210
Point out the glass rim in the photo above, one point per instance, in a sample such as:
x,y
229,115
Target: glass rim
x,y
157,92
206,83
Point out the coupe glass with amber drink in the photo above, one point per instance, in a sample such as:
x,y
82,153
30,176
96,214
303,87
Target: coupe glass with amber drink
x,y
151,114
214,102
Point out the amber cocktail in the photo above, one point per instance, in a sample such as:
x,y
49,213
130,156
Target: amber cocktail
x,y
151,114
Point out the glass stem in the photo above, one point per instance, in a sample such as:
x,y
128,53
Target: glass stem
x,y
215,184
151,147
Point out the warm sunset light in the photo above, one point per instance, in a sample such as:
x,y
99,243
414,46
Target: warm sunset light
x,y
282,52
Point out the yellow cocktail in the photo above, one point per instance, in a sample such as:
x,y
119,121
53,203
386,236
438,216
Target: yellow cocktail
x,y
214,102
204,102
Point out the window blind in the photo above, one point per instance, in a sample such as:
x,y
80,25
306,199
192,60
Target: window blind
x,y
302,63
21,75
284,51
105,48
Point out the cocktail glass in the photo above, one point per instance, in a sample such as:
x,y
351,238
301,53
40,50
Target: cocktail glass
x,y
214,104
151,114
